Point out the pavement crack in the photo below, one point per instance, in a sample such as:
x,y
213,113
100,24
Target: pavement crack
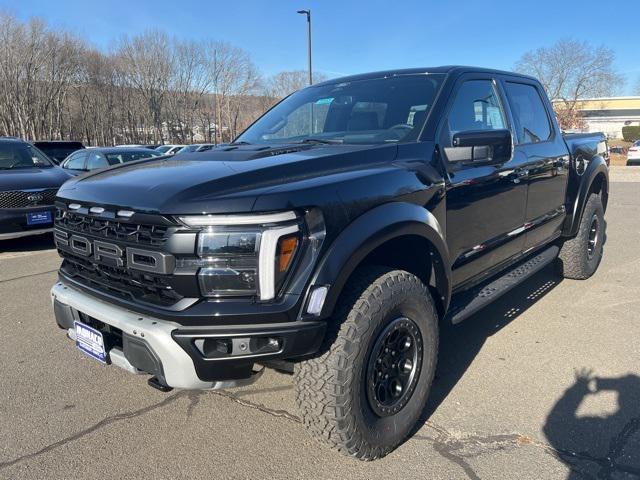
x,y
459,448
101,424
27,276
258,406
194,400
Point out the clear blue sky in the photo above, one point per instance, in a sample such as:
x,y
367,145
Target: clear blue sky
x,y
352,37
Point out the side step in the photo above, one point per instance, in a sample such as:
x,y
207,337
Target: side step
x,y
481,296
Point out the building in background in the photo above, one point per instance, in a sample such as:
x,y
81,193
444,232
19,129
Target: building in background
x,y
609,114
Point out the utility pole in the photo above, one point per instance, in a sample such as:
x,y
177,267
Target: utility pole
x,y
308,14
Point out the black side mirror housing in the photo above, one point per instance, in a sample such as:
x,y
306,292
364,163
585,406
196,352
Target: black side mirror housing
x,y
490,146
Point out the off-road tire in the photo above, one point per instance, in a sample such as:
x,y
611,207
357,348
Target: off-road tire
x,y
575,259
331,389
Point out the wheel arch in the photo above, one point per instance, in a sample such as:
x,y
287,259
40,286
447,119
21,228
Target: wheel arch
x,y
388,235
594,180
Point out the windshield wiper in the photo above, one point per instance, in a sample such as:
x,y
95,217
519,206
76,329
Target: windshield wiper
x,y
240,143
322,140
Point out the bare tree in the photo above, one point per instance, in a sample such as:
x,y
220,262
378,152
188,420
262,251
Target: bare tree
x,y
571,70
285,83
148,88
233,76
189,83
146,66
37,68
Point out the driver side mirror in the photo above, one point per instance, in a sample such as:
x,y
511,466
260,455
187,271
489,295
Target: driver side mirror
x,y
487,146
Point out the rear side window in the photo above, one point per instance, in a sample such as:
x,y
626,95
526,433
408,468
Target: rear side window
x,y
531,119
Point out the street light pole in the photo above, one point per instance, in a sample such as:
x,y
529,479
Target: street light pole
x,y
308,14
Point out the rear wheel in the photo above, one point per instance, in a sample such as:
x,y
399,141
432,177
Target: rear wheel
x,y
580,256
364,394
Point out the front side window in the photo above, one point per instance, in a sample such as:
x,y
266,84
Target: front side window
x,y
75,161
476,107
372,111
530,115
96,160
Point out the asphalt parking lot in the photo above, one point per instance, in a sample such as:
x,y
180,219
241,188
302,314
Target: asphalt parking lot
x,y
544,384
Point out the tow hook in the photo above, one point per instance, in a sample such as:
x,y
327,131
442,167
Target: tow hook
x,y
155,383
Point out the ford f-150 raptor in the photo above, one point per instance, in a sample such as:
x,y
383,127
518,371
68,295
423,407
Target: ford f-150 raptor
x,y
331,238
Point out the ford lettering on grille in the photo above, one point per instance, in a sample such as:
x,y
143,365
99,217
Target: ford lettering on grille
x,y
111,254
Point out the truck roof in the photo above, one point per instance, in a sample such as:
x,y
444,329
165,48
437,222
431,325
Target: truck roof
x,y
446,69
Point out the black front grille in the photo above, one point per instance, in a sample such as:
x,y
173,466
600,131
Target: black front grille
x,y
121,282
143,234
22,198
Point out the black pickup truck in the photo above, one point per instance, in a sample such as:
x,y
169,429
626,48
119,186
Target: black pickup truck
x,y
331,238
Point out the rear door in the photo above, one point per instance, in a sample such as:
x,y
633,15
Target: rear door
x,y
537,138
486,202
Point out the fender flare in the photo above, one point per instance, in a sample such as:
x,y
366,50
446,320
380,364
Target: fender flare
x,y
597,166
369,231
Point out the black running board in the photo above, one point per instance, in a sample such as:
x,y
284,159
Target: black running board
x,y
481,296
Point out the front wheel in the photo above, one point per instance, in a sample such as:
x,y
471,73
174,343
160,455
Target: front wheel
x,y
364,394
580,256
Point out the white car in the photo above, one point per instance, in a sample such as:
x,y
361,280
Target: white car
x,y
633,155
169,149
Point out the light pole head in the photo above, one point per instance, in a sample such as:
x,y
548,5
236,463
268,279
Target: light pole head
x,y
305,12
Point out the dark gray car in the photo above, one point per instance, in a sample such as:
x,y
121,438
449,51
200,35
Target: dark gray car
x,y
29,182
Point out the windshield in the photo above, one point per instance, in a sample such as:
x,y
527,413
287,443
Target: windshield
x,y
164,148
123,157
15,155
381,110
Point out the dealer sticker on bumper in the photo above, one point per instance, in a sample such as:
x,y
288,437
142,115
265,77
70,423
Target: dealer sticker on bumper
x,y
90,341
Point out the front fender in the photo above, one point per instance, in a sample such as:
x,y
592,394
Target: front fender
x,y
579,194
369,231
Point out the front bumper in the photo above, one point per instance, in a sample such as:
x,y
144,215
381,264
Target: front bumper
x,y
13,222
178,356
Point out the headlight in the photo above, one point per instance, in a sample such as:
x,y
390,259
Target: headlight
x,y
245,255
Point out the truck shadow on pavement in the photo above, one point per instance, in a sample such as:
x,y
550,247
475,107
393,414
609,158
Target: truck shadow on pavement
x,y
598,447
607,446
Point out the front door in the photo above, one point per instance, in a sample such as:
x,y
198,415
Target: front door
x,y
485,202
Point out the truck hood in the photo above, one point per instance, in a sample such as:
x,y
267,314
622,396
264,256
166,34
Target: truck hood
x,y
32,178
227,179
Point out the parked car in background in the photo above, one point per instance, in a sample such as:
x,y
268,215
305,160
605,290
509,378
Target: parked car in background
x,y
196,147
94,158
633,154
169,149
29,181
58,150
